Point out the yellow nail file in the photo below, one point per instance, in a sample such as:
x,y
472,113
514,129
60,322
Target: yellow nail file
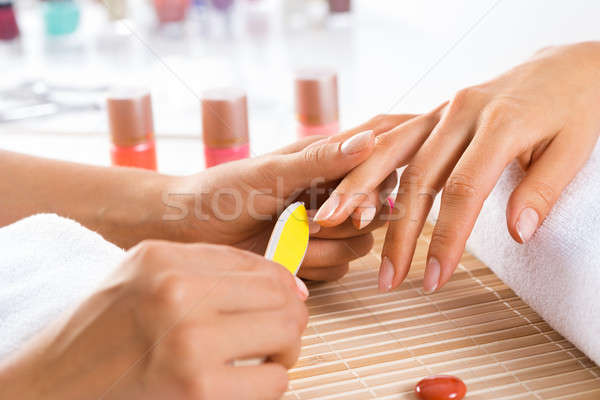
x,y
287,246
289,240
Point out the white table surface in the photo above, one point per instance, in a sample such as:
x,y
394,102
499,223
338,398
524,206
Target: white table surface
x,y
398,56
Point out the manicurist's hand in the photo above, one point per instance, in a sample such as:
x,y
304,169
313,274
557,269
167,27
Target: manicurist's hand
x,y
542,113
169,324
238,203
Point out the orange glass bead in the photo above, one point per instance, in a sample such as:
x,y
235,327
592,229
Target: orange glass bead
x,y
441,387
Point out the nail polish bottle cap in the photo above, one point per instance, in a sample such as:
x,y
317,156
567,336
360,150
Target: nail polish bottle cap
x,y
224,117
130,116
316,96
116,9
340,6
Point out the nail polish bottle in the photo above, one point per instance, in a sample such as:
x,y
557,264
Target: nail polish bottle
x,y
131,128
221,18
340,13
317,110
61,17
171,10
9,29
340,6
224,126
117,9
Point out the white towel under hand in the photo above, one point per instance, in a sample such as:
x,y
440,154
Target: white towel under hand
x,y
558,272
48,265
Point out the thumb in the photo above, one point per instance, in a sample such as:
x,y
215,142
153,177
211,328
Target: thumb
x,y
534,197
322,161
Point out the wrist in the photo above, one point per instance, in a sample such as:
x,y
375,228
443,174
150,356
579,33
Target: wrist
x,y
133,209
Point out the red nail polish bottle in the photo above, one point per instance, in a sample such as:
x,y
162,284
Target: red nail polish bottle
x,y
224,126
317,110
131,128
9,29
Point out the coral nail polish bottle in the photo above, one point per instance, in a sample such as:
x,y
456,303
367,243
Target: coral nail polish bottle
x,y
317,110
131,128
225,126
9,29
171,10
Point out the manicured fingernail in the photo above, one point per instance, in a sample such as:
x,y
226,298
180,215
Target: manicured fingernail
x,y
327,209
390,202
386,275
432,275
313,227
366,216
302,289
357,143
527,224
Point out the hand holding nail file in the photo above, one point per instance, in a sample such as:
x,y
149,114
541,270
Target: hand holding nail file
x,y
287,246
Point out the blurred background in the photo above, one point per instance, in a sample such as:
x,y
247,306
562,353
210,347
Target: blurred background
x,y
60,59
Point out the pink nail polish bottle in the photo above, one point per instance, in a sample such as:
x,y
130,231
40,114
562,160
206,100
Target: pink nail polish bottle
x,y
131,128
224,126
317,109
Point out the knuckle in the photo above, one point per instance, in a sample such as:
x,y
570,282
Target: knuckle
x,y
545,193
166,292
148,250
461,100
443,236
413,175
313,155
460,186
498,113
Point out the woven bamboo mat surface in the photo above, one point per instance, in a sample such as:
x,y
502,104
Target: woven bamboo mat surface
x,y
361,344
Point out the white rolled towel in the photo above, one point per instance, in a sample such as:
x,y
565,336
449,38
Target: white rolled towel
x,y
48,265
558,271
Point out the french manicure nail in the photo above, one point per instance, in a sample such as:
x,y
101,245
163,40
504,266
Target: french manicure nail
x,y
327,209
357,143
313,227
527,224
386,275
432,275
366,216
302,289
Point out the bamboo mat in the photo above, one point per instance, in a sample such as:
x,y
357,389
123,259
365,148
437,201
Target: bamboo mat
x,y
361,344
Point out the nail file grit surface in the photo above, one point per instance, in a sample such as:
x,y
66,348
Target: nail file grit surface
x,y
289,240
287,246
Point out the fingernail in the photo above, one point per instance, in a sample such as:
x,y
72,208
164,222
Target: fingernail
x,y
527,224
313,227
432,275
366,216
302,289
327,209
357,143
386,275
390,202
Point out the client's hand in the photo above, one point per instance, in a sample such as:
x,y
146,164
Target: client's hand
x,y
237,203
168,325
541,113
